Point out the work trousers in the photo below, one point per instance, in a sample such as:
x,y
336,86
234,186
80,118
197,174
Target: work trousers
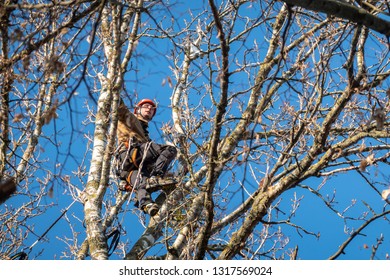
x,y
151,159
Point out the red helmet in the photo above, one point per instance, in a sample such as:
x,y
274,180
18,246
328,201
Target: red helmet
x,y
145,101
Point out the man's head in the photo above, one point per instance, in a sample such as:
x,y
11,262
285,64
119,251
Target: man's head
x,y
145,109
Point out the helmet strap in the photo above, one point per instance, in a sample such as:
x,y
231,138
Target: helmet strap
x,y
139,113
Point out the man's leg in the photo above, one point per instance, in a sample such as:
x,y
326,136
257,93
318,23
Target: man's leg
x,y
157,158
144,200
123,170
165,155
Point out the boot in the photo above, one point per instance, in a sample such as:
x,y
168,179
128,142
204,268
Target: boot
x,y
156,183
151,209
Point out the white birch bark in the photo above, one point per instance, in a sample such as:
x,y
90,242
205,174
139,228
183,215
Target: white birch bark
x,y
105,133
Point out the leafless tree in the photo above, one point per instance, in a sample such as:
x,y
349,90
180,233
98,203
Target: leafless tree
x,y
271,102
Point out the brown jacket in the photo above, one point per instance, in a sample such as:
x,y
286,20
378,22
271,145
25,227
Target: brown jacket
x,y
130,127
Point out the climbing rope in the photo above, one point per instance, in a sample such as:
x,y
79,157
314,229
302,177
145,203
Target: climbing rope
x,y
115,234
23,255
146,149
19,256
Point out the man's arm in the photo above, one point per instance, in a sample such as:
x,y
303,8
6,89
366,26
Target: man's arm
x,y
129,124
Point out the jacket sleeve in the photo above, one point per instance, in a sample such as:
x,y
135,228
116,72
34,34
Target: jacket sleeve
x,y
129,125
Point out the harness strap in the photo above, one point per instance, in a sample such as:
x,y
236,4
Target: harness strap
x,y
128,179
134,157
131,153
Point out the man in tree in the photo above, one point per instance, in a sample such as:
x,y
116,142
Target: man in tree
x,y
142,163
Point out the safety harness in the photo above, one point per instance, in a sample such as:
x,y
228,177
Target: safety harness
x,y
132,153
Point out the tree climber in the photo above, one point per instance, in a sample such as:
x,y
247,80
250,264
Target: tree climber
x,y
141,163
